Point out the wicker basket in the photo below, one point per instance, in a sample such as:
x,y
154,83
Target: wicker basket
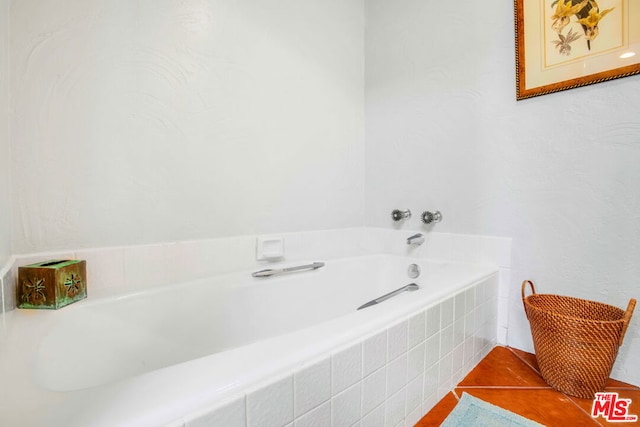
x,y
576,341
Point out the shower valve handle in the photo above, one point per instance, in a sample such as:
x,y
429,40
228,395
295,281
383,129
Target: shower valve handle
x,y
398,215
431,217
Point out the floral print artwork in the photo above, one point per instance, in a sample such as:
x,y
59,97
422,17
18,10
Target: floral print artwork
x,y
586,13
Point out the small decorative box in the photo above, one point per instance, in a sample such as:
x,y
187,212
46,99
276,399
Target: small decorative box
x,y
51,284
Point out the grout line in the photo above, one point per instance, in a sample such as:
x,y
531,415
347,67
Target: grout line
x,y
588,415
458,390
630,388
499,387
524,361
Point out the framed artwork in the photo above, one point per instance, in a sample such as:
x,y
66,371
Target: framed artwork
x,y
563,44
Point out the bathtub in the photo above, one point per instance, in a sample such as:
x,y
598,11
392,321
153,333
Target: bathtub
x,y
235,350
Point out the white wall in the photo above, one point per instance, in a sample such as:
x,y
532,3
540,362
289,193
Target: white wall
x,y
5,162
558,173
147,121
140,121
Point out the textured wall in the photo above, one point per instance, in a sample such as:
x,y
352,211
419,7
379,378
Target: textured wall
x,y
147,121
558,173
139,121
5,164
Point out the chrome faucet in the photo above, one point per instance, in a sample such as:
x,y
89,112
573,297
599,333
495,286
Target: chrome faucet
x,y
416,239
398,215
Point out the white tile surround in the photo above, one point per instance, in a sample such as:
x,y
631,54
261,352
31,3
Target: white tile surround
x,y
116,269
390,378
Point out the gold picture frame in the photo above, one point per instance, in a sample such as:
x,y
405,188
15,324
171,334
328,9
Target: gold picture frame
x,y
564,44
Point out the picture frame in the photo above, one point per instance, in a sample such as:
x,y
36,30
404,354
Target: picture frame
x,y
565,44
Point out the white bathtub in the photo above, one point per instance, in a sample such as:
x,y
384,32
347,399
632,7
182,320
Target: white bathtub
x,y
179,353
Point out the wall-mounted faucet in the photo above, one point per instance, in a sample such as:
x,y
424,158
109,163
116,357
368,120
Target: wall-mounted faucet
x,y
398,215
431,217
416,239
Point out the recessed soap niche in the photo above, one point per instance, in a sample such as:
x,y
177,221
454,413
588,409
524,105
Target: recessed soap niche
x,y
269,248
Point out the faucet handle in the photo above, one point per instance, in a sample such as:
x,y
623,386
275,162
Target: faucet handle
x,y
398,215
431,217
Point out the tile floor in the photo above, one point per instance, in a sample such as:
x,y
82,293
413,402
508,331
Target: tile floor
x,y
509,378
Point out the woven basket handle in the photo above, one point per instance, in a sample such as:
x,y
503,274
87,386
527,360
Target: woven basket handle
x,y
533,288
627,318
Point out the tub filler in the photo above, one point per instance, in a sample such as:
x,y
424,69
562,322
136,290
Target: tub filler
x,y
237,350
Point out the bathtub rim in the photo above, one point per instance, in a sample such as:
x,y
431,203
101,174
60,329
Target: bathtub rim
x,y
203,390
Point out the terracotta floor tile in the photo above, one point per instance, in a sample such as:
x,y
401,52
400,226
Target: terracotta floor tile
x,y
545,406
615,384
501,367
634,407
528,358
436,416
509,378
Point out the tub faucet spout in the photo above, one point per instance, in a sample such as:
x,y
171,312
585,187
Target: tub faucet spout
x,y
416,239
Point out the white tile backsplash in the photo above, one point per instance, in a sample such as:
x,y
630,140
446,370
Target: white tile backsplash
x,y
145,266
465,248
439,246
105,268
188,258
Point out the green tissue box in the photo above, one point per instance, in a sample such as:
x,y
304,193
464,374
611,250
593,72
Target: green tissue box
x,y
51,284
